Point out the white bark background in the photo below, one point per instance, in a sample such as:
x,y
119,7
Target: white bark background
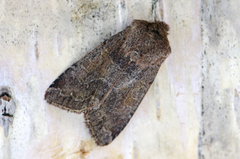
x,y
191,111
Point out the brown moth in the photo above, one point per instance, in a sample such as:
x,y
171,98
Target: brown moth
x,y
109,83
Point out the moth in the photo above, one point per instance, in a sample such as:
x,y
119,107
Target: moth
x,y
109,83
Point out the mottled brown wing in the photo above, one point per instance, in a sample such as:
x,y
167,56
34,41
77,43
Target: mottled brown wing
x,y
75,87
109,83
106,122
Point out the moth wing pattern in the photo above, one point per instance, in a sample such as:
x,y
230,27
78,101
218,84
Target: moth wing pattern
x,y
73,89
106,122
110,82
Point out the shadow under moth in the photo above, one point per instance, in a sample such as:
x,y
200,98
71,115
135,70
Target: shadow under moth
x,y
109,83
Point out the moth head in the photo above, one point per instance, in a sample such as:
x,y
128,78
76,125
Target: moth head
x,y
158,27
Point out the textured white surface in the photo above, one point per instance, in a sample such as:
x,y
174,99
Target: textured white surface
x,y
191,111
220,136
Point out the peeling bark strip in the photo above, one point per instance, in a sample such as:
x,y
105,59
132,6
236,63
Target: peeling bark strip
x,y
109,83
